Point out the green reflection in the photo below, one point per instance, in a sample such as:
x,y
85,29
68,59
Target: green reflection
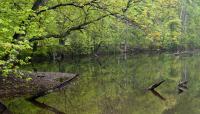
x,y
113,85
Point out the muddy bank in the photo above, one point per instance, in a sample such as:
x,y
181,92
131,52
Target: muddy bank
x,y
40,81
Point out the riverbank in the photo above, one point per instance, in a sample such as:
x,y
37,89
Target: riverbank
x,y
32,83
135,51
35,82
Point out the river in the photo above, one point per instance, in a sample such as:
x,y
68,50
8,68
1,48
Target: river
x,y
118,85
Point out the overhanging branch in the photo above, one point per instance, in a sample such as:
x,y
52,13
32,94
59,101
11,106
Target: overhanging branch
x,y
92,3
60,5
119,16
74,4
68,31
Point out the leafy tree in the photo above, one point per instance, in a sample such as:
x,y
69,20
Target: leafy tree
x,y
85,26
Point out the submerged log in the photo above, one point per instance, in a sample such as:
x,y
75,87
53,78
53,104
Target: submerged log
x,y
183,83
182,86
32,83
53,89
155,93
154,86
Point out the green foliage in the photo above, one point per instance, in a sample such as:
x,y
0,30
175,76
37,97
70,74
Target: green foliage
x,y
87,26
192,23
10,18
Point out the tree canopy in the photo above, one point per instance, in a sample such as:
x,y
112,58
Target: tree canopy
x,y
85,25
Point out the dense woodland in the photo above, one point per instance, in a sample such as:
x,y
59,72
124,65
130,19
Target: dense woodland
x,y
56,29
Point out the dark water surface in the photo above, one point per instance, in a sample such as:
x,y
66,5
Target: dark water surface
x,y
115,85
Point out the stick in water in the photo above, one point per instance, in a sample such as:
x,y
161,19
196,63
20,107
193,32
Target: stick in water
x,y
152,87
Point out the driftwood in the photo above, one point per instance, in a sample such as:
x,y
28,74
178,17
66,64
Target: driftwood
x,y
154,86
53,89
41,81
182,86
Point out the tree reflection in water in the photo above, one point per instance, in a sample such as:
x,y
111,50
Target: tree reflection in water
x,y
45,106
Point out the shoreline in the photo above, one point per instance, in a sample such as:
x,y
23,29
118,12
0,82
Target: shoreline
x,y
12,86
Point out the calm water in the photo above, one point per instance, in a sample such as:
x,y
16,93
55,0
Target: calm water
x,y
115,85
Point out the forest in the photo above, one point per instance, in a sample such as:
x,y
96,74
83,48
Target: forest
x,y
38,36
54,29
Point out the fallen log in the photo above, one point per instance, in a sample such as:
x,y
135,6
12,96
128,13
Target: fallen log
x,y
37,82
182,86
53,89
154,86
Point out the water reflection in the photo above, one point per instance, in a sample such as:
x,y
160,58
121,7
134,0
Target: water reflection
x,y
45,106
113,85
183,84
157,94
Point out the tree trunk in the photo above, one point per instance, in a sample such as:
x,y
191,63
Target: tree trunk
x,y
35,46
62,42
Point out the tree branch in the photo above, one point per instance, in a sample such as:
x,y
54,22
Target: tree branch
x,y
119,16
126,20
60,5
127,6
68,31
75,4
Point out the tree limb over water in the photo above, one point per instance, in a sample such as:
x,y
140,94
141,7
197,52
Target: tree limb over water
x,y
68,31
98,5
74,4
